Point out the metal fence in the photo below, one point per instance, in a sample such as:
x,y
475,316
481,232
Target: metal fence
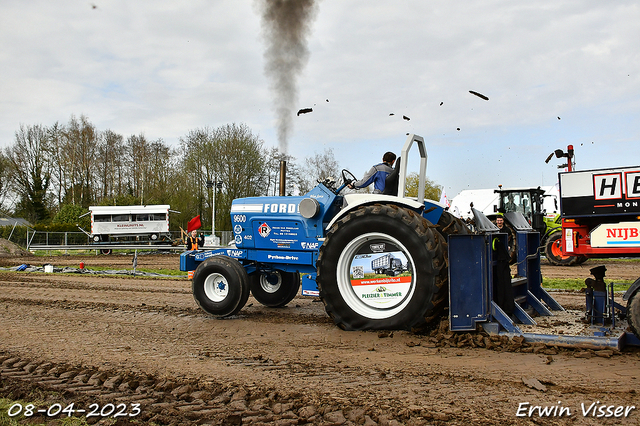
x,y
27,237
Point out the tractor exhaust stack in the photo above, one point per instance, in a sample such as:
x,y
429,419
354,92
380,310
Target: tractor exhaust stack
x,y
283,178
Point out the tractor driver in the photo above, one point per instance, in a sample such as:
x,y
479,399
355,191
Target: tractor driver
x,y
377,174
510,206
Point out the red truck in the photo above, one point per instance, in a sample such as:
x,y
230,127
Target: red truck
x,y
600,212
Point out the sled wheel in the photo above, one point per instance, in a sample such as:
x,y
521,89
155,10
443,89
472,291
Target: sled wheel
x,y
274,289
220,286
633,313
358,299
553,251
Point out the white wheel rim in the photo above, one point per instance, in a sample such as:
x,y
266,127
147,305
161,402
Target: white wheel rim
x,y
267,286
359,297
216,287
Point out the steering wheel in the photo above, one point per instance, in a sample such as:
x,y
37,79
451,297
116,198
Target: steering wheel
x,y
347,177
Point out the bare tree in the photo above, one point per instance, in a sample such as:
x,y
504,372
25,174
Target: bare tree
x,y
136,158
30,171
318,168
81,151
196,168
239,165
110,171
4,177
272,172
160,171
230,154
60,179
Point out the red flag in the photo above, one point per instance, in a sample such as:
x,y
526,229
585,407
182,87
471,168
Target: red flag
x,y
194,224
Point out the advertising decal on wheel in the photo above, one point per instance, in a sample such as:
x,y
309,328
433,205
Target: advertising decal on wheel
x,y
380,275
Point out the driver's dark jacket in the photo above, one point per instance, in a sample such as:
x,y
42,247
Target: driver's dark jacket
x,y
194,243
376,175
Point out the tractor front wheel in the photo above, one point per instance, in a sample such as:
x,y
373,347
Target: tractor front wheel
x,y
220,286
274,289
358,298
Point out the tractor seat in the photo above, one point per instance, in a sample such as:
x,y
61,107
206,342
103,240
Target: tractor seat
x,y
391,182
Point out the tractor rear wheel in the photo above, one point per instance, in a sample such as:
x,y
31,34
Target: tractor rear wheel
x,y
274,289
220,286
357,298
633,313
553,251
448,224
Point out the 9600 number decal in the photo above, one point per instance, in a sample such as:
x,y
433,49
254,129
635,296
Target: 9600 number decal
x,y
94,410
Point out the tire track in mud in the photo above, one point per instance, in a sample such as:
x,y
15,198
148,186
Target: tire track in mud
x,y
95,287
166,400
254,314
171,297
321,407
170,401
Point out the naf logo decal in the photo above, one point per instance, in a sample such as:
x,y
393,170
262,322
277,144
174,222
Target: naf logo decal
x,y
234,253
264,230
310,246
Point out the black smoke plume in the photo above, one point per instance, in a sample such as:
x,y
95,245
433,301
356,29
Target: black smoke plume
x,y
286,25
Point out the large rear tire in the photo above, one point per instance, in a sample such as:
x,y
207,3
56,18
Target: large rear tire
x,y
633,313
553,251
274,289
220,286
448,224
358,299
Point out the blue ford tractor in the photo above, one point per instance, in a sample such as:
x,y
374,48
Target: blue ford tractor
x,y
325,241
387,261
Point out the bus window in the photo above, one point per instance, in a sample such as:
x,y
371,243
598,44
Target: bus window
x,y
121,218
157,216
142,217
102,218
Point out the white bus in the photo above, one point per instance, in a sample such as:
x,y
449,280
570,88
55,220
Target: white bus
x,y
112,223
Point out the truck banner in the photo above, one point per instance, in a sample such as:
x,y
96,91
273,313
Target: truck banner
x,y
600,192
381,275
623,234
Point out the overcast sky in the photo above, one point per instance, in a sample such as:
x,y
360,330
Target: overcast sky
x,y
555,72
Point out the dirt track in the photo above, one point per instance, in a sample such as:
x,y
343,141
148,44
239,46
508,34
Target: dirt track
x,y
123,340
